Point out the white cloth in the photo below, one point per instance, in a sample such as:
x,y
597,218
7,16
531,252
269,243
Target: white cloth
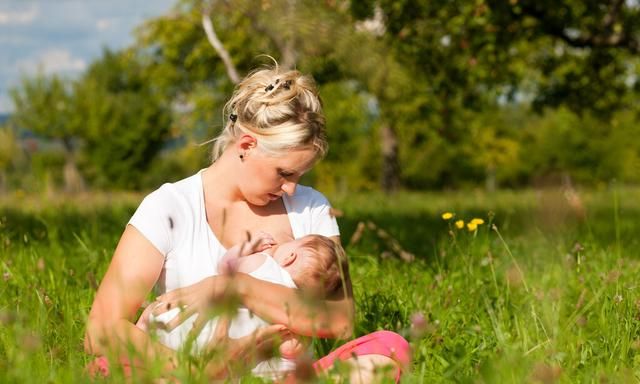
x,y
173,219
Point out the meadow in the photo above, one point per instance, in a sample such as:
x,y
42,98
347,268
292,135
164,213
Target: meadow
x,y
544,290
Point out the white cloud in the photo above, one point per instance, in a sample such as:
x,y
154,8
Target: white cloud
x,y
53,61
103,24
25,16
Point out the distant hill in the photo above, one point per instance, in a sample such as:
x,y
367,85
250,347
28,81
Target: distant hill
x,y
4,117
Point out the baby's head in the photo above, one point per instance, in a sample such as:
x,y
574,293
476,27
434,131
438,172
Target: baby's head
x,y
313,262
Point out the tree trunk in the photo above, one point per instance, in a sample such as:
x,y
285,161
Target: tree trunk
x,y
390,165
490,180
73,180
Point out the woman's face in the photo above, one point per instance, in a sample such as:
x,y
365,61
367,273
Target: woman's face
x,y
266,178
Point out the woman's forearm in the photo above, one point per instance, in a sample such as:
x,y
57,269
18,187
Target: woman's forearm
x,y
303,315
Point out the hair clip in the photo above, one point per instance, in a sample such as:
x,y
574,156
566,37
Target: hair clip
x,y
268,88
287,84
233,117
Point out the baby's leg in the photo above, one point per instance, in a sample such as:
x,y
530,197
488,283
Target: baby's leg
x,y
380,352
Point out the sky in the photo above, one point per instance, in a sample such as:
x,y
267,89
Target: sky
x,y
64,36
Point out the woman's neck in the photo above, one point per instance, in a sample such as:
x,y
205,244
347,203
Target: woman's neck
x,y
218,180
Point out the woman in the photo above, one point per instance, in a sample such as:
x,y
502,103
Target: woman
x,y
274,133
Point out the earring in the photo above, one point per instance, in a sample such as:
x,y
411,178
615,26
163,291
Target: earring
x,y
242,157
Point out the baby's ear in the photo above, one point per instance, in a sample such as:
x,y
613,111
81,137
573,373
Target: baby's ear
x,y
289,259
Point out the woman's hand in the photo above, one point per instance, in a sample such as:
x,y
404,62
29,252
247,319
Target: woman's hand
x,y
292,347
197,299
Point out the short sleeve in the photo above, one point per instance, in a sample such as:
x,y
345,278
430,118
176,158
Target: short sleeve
x,y
323,222
310,213
155,218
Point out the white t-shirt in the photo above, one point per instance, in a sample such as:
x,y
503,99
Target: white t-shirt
x,y
173,219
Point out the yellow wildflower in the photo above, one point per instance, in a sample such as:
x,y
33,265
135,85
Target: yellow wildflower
x,y
447,215
472,226
477,221
460,224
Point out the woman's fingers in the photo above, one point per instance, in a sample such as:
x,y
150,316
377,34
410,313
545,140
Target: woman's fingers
x,y
197,299
269,333
198,326
167,301
185,313
160,307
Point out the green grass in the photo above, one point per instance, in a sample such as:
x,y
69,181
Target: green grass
x,y
549,296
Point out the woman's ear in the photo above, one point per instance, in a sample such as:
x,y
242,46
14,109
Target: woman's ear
x,y
246,142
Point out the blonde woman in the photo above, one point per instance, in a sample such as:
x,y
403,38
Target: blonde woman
x,y
274,133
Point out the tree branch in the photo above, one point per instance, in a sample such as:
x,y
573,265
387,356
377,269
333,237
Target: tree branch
x,y
207,24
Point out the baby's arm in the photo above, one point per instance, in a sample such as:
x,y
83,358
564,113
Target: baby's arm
x,y
237,259
229,263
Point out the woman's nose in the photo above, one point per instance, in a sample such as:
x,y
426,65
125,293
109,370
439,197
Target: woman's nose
x,y
289,187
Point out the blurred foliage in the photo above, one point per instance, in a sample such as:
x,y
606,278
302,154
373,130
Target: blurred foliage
x,y
418,94
123,121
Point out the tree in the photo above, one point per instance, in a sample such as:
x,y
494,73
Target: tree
x,y
474,56
9,150
248,29
44,105
121,119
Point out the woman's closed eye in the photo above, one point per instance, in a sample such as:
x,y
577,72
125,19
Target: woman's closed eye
x,y
285,174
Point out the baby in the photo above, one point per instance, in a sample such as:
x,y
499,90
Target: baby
x,y
310,263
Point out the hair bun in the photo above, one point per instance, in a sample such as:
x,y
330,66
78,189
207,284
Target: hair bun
x,y
281,109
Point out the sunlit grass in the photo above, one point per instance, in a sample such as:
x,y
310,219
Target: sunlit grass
x,y
548,295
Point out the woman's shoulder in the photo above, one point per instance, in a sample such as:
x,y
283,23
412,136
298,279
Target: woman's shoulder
x,y
177,199
306,200
172,205
187,189
308,196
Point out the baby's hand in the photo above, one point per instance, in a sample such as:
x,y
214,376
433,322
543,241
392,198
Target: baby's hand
x,y
261,241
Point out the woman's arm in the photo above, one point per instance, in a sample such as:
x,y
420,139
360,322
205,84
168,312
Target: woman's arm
x,y
275,303
134,269
303,315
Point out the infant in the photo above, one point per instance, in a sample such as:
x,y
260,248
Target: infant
x,y
310,263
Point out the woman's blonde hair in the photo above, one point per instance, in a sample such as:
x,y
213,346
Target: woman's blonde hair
x,y
282,110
